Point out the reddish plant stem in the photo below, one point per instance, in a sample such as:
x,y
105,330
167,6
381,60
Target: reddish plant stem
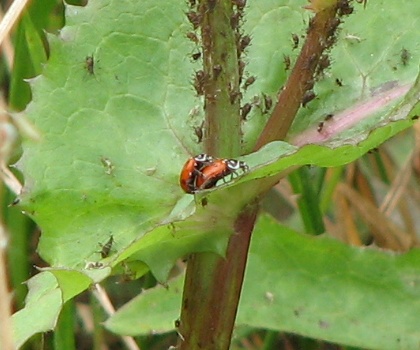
x,y
320,37
212,290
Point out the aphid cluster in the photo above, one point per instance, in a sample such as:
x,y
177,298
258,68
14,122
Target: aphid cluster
x,y
203,172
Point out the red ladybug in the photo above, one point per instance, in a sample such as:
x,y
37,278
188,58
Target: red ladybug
x,y
217,170
192,168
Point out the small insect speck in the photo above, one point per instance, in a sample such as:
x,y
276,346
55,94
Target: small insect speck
x,y
196,56
217,69
245,109
109,167
287,62
268,102
90,64
328,117
244,43
295,39
195,18
320,126
405,57
193,37
106,248
249,82
308,97
339,82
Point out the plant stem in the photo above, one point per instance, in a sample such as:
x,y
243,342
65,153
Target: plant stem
x,y
212,290
320,37
212,283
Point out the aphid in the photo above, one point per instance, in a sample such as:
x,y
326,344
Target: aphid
x,y
233,94
198,130
244,42
199,80
109,167
193,37
339,82
241,65
295,39
196,56
245,109
414,117
268,102
16,201
328,117
324,62
320,126
344,8
106,248
94,265
217,69
307,97
195,18
249,82
235,19
405,56
286,61
240,4
90,64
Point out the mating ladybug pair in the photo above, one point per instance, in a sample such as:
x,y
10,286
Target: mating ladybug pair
x,y
203,171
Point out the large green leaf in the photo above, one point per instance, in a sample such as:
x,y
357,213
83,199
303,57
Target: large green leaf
x,y
314,286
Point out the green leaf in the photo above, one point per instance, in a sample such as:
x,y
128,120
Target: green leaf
x,y
322,288
137,318
314,286
43,305
114,132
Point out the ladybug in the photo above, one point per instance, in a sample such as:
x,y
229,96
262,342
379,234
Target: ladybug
x,y
217,170
192,168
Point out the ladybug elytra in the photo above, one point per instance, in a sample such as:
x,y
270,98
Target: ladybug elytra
x,y
191,169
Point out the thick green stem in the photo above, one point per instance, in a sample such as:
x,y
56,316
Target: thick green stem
x,y
213,284
222,129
